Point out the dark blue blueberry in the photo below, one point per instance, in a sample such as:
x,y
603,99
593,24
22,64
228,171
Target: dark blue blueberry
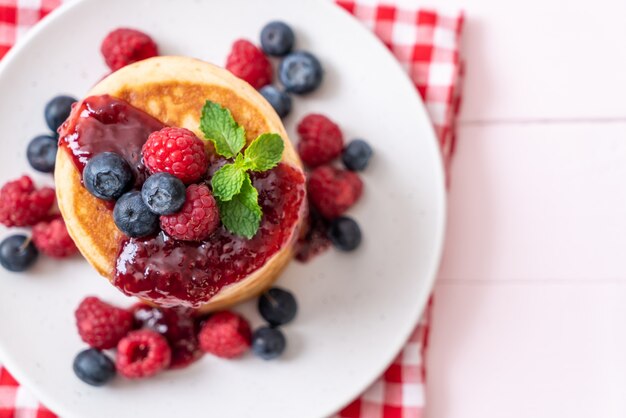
x,y
57,110
344,233
42,153
268,343
163,193
94,367
280,100
277,39
17,253
278,306
300,72
133,217
107,176
357,155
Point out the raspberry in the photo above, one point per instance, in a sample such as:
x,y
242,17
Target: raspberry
x,y
52,239
333,191
226,335
142,353
321,140
198,218
22,205
125,46
177,151
101,325
247,62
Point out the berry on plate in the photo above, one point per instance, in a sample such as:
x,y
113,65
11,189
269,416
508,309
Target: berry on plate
x,y
225,334
197,219
53,240
17,253
133,217
57,110
280,100
321,140
333,191
125,46
345,233
268,343
22,205
356,156
277,306
107,176
42,153
277,39
142,353
177,151
248,62
300,72
94,367
101,325
163,193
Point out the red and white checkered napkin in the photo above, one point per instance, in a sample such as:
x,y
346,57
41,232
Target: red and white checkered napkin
x,y
426,43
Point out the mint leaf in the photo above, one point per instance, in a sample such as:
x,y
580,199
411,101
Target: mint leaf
x,y
242,214
227,181
264,152
220,128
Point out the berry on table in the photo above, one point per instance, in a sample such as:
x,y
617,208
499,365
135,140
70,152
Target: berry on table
x,y
22,205
247,62
268,343
142,353
42,153
57,110
345,233
356,156
280,101
225,334
300,72
94,367
197,219
53,240
277,39
321,140
133,217
101,325
277,306
333,191
177,151
17,253
163,193
107,176
125,46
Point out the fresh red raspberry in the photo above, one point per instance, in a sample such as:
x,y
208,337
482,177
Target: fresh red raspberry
x,y
247,62
22,205
125,46
101,325
177,151
225,334
321,140
52,239
142,353
333,191
197,219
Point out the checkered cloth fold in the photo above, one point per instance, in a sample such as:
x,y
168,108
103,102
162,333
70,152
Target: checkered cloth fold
x,y
426,43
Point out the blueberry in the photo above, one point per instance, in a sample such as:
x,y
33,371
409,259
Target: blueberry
x,y
107,176
300,72
163,193
17,253
280,101
278,306
57,110
94,367
357,155
268,343
345,233
277,39
42,153
133,217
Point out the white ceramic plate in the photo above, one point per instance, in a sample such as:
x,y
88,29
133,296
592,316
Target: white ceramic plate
x,y
356,310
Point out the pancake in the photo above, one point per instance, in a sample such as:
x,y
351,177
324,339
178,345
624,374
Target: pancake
x,y
172,90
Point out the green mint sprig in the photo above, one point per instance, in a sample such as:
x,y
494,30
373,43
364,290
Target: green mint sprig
x,y
237,198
